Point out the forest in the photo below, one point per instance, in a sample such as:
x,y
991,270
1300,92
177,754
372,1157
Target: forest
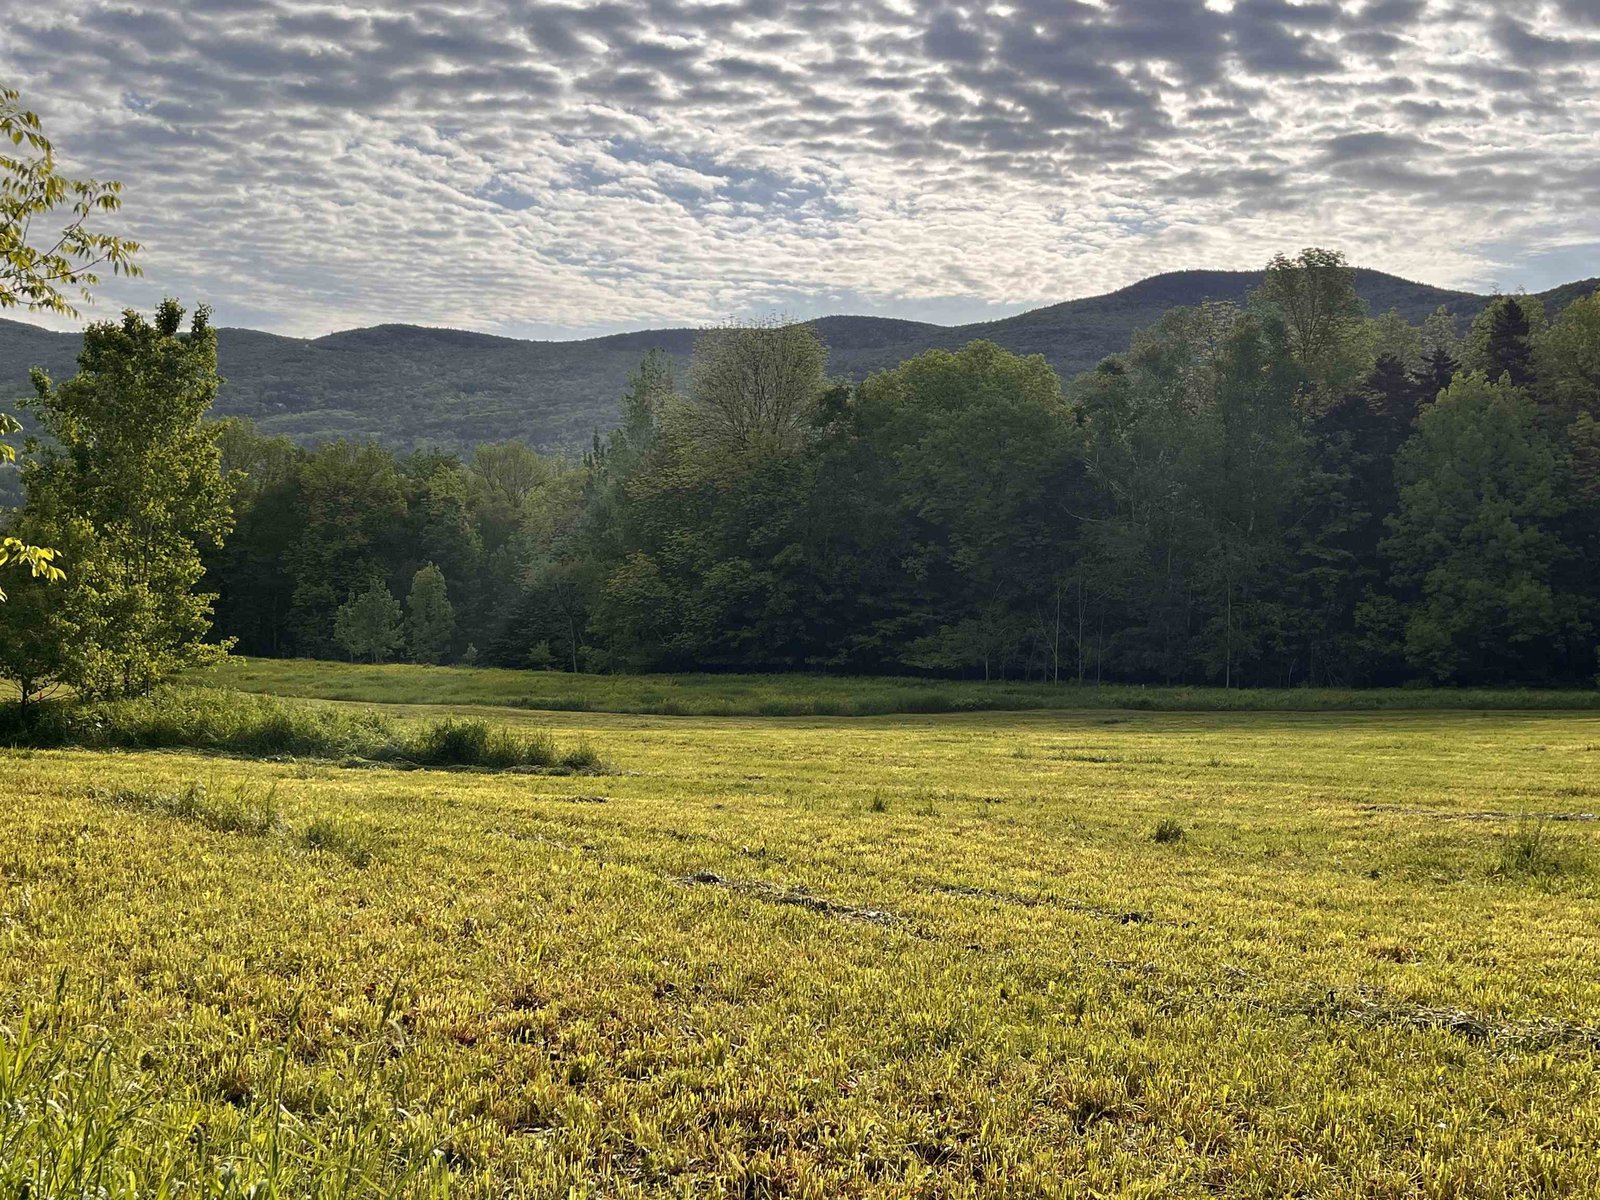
x,y
1277,493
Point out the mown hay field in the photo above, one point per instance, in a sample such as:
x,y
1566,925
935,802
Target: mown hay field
x,y
932,956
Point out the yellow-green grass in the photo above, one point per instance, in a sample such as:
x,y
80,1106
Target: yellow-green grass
x,y
920,956
818,695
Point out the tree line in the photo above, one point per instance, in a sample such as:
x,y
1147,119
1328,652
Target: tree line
x,y
1276,493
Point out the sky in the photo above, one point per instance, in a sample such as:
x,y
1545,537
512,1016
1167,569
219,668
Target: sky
x,y
548,168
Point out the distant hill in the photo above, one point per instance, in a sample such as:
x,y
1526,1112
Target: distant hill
x,y
408,386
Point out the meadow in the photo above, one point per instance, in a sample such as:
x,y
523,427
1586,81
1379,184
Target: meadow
x,y
731,695
1065,953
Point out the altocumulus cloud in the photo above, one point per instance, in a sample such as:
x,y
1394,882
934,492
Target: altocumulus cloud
x,y
539,167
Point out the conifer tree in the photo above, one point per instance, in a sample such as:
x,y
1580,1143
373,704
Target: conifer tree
x,y
430,619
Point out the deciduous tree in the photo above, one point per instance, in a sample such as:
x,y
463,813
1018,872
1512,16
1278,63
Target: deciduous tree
x,y
129,489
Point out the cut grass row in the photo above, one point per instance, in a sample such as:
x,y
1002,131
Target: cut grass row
x,y
821,695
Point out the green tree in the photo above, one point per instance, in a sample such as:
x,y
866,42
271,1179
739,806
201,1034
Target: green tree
x,y
33,639
430,619
1481,490
983,458
41,263
129,489
39,560
350,510
254,588
1500,343
1315,292
752,387
1566,360
368,624
38,262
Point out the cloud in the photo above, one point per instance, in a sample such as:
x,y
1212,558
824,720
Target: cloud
x,y
548,167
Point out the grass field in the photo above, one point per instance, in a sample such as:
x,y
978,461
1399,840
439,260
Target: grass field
x,y
935,956
818,695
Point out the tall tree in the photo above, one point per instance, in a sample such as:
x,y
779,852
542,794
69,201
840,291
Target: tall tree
x,y
41,263
1315,292
255,588
352,512
129,489
1567,361
752,387
984,456
430,619
1481,489
1500,343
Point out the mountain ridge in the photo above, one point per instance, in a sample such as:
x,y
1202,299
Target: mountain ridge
x,y
417,385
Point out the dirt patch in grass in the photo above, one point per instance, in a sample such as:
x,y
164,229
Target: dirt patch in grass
x,y
773,894
1119,915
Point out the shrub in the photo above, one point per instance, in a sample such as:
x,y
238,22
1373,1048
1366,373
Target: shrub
x,y
582,757
257,726
470,742
1167,831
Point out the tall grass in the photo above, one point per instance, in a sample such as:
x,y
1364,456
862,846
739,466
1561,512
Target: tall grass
x,y
246,808
80,1119
256,726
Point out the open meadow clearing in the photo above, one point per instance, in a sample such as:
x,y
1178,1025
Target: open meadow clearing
x,y
893,956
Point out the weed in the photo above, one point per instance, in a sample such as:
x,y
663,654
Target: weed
x,y
1167,831
247,808
353,844
582,757
260,726
1531,851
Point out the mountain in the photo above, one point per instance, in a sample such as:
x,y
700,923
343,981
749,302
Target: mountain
x,y
407,385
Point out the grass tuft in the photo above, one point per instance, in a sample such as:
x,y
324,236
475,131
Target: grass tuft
x,y
351,843
246,808
1167,831
1532,852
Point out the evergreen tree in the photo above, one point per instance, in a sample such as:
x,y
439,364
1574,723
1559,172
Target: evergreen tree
x,y
1500,342
1510,350
430,619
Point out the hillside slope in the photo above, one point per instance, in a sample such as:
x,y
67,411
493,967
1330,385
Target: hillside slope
x,y
408,386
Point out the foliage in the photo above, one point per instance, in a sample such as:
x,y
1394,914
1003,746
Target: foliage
x,y
1481,490
39,560
752,387
38,273
368,624
1323,316
794,694
1235,500
409,387
430,619
1167,831
128,491
259,726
